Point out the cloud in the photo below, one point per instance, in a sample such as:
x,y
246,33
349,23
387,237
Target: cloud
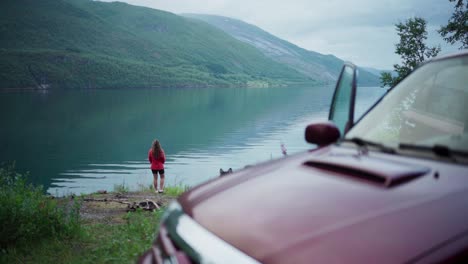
x,y
355,44
361,31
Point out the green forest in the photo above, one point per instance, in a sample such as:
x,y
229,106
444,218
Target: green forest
x,y
89,44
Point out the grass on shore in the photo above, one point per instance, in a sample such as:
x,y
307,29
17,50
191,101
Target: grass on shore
x,y
88,242
96,243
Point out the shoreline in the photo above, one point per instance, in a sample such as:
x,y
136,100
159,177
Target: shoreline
x,y
112,207
249,84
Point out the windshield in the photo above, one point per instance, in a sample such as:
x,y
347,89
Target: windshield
x,y
428,108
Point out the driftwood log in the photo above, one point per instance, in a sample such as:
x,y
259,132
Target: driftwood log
x,y
124,201
147,205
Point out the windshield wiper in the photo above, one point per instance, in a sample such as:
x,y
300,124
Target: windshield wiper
x,y
363,143
439,150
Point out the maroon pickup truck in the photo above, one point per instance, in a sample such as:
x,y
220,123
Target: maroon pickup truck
x,y
391,187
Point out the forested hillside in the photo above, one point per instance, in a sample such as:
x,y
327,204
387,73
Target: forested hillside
x,y
88,44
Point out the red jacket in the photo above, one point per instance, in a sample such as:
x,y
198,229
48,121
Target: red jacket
x,y
156,164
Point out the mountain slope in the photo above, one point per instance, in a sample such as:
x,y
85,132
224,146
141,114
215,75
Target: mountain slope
x,y
88,44
315,65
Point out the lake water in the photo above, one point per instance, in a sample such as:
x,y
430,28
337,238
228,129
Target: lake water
x,y
74,141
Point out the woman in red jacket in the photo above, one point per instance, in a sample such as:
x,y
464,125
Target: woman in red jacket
x,y
157,158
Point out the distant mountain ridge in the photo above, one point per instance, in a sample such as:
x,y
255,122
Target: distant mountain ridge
x,y
324,68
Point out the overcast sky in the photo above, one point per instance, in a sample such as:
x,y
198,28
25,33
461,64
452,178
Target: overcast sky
x,y
361,31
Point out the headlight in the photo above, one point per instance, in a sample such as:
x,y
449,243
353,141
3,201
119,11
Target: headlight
x,y
195,241
174,207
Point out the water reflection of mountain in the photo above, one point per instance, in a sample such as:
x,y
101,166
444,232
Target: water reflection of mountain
x,y
63,130
75,138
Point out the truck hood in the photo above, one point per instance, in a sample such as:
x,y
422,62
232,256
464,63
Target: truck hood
x,y
333,205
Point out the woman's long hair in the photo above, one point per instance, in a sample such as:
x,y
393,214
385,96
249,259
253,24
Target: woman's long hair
x,y
156,149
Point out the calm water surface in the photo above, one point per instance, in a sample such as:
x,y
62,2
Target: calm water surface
x,y
84,141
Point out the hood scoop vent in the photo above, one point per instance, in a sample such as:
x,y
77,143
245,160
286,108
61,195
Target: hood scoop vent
x,y
379,171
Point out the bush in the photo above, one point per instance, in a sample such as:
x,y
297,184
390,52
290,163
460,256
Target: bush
x,y
27,215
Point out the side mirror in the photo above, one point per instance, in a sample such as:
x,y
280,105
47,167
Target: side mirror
x,y
322,134
342,106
